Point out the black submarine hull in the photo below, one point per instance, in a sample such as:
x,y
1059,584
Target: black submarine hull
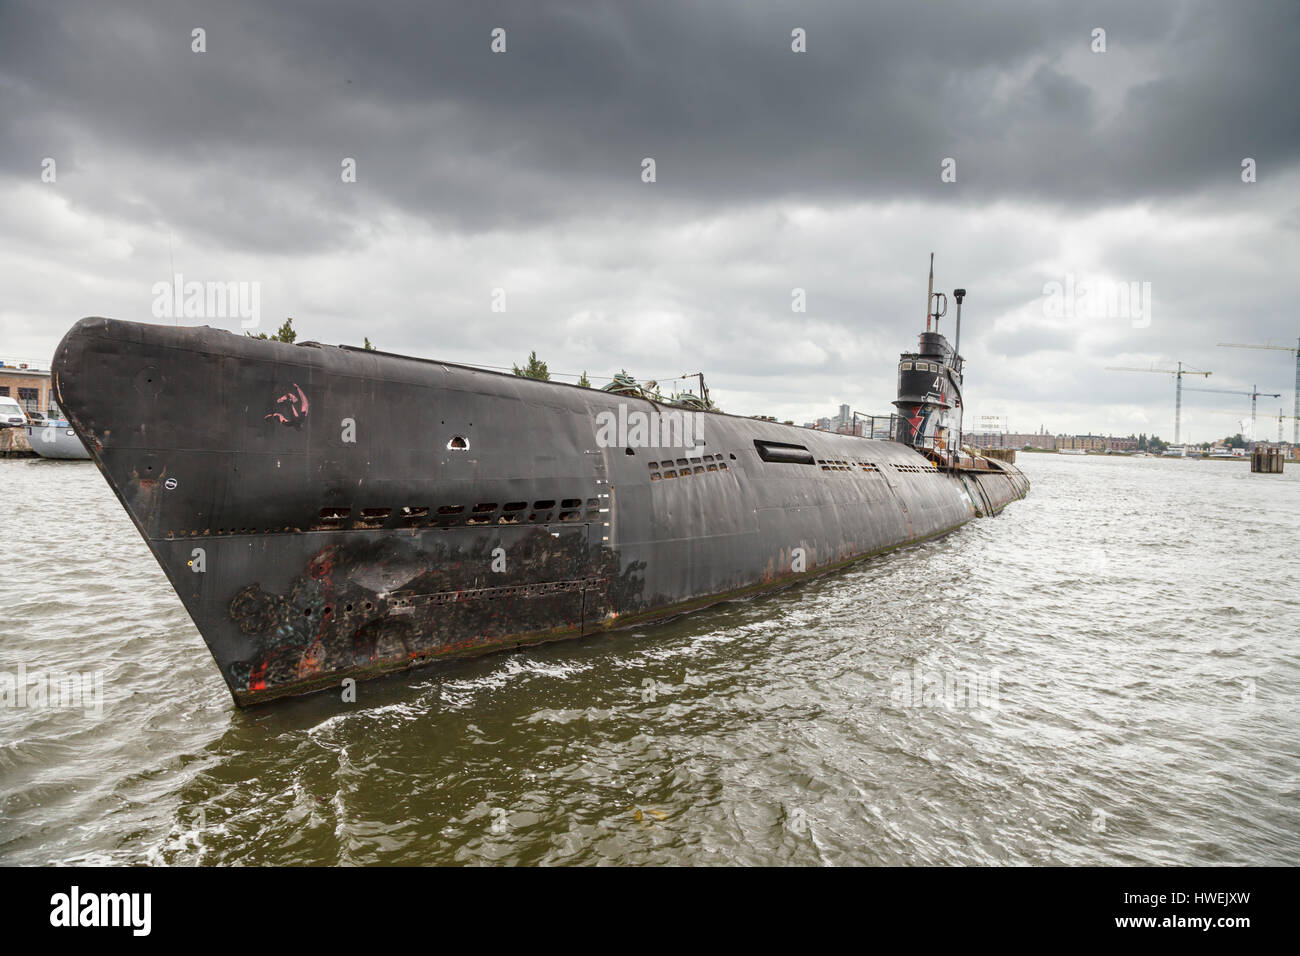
x,y
327,513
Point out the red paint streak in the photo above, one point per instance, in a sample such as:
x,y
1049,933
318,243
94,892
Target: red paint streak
x,y
322,569
916,419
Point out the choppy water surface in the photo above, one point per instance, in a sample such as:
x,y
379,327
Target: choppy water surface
x,y
1107,673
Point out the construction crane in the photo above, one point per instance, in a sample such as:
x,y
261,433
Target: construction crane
x,y
1178,374
1243,422
1295,434
1280,416
1254,394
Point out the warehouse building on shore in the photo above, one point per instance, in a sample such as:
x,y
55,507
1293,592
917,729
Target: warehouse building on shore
x,y
29,386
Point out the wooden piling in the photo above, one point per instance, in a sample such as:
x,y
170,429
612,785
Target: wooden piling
x,y
1266,460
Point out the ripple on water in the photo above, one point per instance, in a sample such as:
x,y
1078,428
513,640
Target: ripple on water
x,y
1110,664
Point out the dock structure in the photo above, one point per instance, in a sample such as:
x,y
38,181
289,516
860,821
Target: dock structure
x,y
14,444
1001,454
1266,460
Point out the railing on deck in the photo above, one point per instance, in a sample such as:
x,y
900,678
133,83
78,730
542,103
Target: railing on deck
x,y
880,427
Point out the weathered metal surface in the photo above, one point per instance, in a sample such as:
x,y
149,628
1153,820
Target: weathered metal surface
x,y
327,513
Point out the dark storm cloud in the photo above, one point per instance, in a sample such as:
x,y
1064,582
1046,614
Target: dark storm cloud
x,y
244,141
775,170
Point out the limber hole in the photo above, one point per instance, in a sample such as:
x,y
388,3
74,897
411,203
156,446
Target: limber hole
x,y
413,517
328,518
373,517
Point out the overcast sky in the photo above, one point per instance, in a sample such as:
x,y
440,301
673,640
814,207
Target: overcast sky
x,y
775,170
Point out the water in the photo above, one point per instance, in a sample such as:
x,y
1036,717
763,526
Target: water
x,y
1120,651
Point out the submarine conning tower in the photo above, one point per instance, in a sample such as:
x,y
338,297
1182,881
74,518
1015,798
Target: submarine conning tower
x,y
929,383
929,392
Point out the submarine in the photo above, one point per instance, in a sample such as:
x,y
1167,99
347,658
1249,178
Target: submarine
x,y
332,513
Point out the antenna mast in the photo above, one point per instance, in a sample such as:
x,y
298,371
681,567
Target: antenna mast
x,y
929,292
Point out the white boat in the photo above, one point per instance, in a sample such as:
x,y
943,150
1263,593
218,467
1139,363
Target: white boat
x,y
56,439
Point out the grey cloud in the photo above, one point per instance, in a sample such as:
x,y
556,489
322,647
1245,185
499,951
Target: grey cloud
x,y
556,127
526,165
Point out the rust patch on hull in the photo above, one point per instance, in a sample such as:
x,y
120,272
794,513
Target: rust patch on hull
x,y
370,608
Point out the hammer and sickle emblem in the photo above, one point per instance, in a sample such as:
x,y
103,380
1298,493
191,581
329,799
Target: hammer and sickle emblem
x,y
292,407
